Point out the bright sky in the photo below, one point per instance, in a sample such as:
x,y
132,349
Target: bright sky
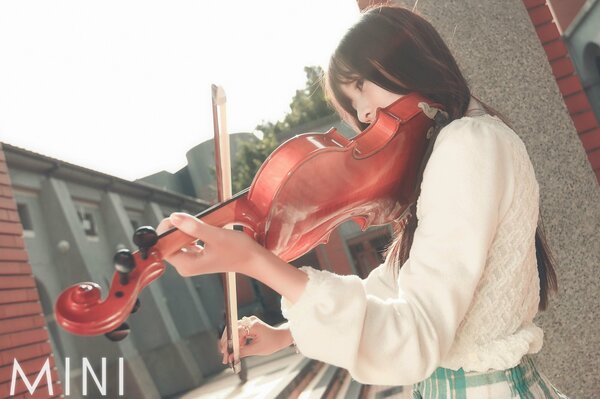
x,y
123,87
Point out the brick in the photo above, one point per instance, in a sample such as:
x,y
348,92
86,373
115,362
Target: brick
x,y
10,282
3,167
31,366
4,179
562,67
594,158
23,338
591,139
8,203
585,121
9,267
529,4
20,295
23,323
13,216
547,32
42,393
540,15
19,309
9,216
11,241
555,49
577,103
25,352
20,387
569,85
16,254
10,228
6,192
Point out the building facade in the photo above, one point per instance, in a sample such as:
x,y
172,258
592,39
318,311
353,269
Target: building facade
x,y
73,221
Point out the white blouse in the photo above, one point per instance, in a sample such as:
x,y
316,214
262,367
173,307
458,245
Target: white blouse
x,y
468,293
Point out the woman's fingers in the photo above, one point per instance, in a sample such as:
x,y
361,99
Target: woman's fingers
x,y
186,262
164,225
247,340
192,226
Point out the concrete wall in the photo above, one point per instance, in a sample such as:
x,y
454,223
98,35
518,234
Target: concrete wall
x,y
503,59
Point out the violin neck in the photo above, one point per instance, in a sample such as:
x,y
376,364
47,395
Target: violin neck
x,y
230,212
223,213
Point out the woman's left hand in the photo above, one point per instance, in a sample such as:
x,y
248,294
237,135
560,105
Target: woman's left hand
x,y
231,251
224,250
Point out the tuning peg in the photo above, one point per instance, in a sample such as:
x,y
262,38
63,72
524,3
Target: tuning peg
x,y
119,333
145,237
124,264
136,306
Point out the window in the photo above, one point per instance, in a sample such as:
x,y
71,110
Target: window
x,y
591,61
87,222
136,218
25,217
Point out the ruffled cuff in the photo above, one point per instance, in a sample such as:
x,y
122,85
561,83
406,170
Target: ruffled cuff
x,y
287,307
322,318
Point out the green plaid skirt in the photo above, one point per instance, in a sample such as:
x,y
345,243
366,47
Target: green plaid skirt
x,y
523,381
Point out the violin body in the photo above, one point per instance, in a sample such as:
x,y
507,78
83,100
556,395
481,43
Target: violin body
x,y
305,189
314,182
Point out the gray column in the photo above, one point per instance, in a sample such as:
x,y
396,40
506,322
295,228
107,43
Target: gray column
x,y
169,362
188,309
73,267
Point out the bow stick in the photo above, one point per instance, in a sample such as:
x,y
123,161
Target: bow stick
x,y
223,175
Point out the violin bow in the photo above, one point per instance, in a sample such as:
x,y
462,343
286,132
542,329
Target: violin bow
x,y
223,176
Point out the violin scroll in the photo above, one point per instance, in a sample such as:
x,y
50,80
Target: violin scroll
x,y
80,309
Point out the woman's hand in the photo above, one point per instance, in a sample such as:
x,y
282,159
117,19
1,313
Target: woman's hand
x,y
224,250
231,251
257,338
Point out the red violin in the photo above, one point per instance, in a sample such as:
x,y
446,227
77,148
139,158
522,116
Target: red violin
x,y
305,189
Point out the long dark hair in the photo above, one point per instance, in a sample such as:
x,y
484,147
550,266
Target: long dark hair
x,y
402,52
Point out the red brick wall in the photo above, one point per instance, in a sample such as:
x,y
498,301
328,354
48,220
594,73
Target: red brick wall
x,y
23,333
569,84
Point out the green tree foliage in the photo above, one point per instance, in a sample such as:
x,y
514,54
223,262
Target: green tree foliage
x,y
307,105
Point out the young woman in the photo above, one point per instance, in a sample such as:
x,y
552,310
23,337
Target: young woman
x,y
451,310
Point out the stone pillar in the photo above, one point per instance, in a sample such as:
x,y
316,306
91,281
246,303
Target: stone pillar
x,y
198,334
502,57
159,313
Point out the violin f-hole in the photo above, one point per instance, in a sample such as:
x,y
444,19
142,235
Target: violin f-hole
x,y
373,140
